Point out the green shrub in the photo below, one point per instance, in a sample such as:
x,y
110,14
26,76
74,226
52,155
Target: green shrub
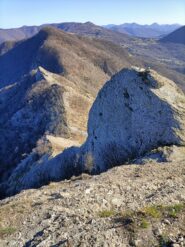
x,y
106,213
152,211
164,241
173,210
144,224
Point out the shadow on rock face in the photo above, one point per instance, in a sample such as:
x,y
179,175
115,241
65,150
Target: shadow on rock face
x,y
40,110
33,172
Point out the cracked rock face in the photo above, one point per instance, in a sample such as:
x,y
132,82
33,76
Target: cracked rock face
x,y
136,111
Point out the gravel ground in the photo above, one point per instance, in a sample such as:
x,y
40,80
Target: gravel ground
x,y
114,208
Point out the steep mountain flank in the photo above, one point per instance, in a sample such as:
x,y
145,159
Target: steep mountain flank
x,y
54,50
164,57
134,113
15,34
47,85
18,61
6,46
178,36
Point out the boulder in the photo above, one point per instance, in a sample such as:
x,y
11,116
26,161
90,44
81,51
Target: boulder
x,y
135,112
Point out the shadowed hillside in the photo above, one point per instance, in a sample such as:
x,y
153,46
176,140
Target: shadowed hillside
x,y
163,56
13,34
178,36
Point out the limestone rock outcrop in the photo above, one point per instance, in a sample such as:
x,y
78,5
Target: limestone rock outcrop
x,y
136,111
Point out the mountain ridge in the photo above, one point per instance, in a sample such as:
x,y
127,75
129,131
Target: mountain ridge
x,y
154,30
87,28
178,36
41,89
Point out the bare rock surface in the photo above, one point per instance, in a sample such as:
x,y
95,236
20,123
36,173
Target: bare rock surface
x,y
134,112
117,208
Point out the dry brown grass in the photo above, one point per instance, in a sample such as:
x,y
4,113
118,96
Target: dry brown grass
x,y
12,216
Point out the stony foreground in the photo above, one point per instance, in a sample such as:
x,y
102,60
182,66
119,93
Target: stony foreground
x,y
132,205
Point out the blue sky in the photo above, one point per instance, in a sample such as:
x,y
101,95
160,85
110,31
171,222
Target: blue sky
x,y
15,13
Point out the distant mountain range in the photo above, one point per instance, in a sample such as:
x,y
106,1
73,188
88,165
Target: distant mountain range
x,y
154,30
89,29
178,36
149,51
85,29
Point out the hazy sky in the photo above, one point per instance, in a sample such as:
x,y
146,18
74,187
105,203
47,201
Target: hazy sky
x,y
14,13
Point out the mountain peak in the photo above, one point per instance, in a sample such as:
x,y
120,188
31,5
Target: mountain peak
x,y
89,23
48,30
